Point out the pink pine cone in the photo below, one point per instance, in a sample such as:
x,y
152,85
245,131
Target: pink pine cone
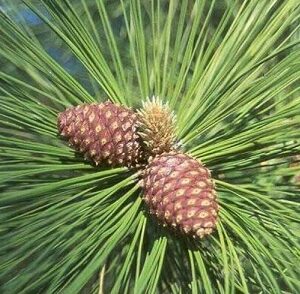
x,y
179,191
104,132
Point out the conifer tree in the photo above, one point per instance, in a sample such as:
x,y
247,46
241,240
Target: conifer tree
x,y
229,73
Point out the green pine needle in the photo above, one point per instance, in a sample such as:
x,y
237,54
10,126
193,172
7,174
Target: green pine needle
x,y
230,71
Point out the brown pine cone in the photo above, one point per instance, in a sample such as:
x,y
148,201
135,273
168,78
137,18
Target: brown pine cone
x,y
105,133
179,191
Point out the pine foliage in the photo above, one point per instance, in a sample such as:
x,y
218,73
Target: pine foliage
x,y
229,70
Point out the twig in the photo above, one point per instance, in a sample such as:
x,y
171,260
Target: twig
x,y
101,280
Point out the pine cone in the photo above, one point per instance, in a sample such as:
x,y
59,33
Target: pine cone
x,y
104,132
157,127
180,192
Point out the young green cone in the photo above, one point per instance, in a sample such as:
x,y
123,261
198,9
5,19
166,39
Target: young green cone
x,y
157,127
